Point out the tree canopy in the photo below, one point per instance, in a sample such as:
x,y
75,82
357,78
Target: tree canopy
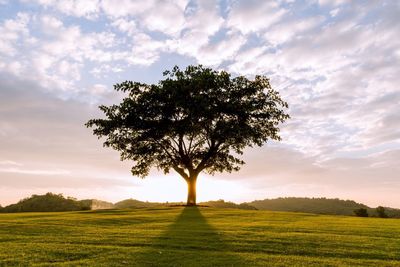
x,y
381,212
361,212
194,120
46,203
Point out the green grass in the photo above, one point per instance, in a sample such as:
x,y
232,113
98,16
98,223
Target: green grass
x,y
196,237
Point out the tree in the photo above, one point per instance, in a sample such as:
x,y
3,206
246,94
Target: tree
x,y
193,120
361,212
45,203
381,212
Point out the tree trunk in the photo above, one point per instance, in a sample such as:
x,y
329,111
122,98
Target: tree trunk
x,y
191,200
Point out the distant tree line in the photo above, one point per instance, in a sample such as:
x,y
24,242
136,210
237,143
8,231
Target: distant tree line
x,y
324,206
379,212
361,212
229,205
57,202
44,203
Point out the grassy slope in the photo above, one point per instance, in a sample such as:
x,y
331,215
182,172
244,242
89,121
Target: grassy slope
x,y
196,237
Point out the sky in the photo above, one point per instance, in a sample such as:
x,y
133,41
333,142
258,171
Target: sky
x,y
336,63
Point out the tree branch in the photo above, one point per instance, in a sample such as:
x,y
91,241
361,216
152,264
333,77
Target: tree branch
x,y
210,153
182,172
166,151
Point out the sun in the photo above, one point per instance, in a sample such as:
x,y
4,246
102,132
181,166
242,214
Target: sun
x,y
172,188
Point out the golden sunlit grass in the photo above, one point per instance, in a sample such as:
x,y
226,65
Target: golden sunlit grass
x,y
196,237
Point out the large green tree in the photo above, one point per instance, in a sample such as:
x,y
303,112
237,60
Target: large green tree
x,y
193,120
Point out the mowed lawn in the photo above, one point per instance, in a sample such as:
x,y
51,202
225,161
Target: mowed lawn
x,y
179,236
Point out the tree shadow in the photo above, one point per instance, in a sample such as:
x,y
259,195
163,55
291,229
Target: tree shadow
x,y
190,241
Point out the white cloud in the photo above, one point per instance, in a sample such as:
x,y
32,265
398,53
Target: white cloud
x,y
254,16
125,7
334,12
332,74
56,55
331,2
72,42
105,69
78,8
98,89
197,33
205,11
126,26
34,172
291,29
15,68
245,63
144,51
154,15
215,54
165,16
10,162
11,32
51,25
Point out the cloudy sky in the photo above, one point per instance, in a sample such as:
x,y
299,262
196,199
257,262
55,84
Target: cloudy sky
x,y
336,62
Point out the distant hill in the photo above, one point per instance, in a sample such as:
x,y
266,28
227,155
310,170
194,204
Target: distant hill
x,y
133,203
318,206
95,204
391,212
44,203
56,202
311,205
222,204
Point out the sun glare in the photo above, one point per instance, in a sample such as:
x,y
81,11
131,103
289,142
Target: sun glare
x,y
173,188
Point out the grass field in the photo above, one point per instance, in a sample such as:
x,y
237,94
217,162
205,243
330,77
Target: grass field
x,y
196,237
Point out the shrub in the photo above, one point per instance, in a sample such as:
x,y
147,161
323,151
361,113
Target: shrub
x,y
381,212
361,212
